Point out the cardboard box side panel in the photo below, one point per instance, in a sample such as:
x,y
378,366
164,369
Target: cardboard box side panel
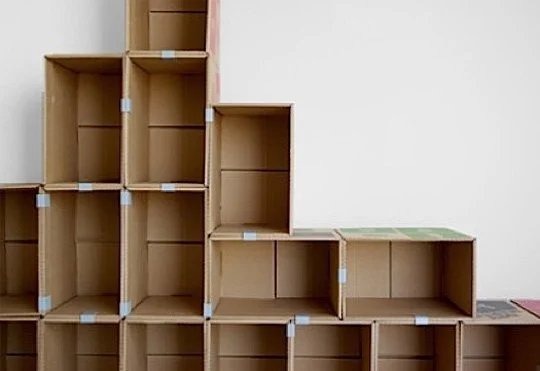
x,y
159,363
215,273
291,171
177,31
98,98
213,333
335,286
137,249
3,346
98,269
215,172
368,270
446,348
252,341
97,339
136,347
137,22
60,134
21,268
97,362
248,364
459,284
523,347
213,31
21,220
21,338
483,365
185,340
405,341
99,154
483,341
368,352
91,225
405,365
328,341
327,364
291,353
60,347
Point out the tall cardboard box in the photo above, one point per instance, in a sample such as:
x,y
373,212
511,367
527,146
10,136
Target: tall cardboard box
x,y
18,345
409,272
18,251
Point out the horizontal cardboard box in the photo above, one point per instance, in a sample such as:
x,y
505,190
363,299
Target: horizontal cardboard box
x,y
251,168
532,306
82,131
409,272
18,345
18,251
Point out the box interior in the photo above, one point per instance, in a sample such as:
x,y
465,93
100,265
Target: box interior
x,y
274,278
409,278
251,160
70,347
82,251
407,347
248,347
18,251
499,347
166,133
18,346
83,131
164,347
167,24
166,253
333,347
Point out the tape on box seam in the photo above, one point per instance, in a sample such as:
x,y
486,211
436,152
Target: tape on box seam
x,y
125,309
291,330
43,201
125,105
342,275
87,318
125,198
44,303
167,187
168,54
207,310
85,187
302,319
209,115
249,236
421,320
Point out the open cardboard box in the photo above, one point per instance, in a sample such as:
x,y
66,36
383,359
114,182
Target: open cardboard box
x,y
79,347
409,272
82,120
251,168
18,345
502,337
165,237
275,279
166,131
18,251
81,254
244,347
163,347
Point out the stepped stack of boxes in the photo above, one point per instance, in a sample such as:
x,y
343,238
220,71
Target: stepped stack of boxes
x,y
161,238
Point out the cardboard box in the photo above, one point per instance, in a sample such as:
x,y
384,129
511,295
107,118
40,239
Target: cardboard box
x,y
273,280
502,337
409,347
164,263
79,347
409,272
18,345
166,139
18,250
80,247
251,168
532,306
82,131
163,347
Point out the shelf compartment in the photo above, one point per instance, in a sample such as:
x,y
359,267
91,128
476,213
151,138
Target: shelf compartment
x,y
81,254
18,251
164,347
251,167
166,131
83,119
18,345
404,273
165,254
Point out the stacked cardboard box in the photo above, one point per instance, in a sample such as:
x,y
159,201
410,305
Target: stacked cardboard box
x,y
161,238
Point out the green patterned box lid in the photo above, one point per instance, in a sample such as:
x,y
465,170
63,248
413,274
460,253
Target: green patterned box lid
x,y
403,234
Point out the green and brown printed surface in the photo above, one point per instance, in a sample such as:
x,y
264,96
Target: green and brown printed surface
x,y
403,234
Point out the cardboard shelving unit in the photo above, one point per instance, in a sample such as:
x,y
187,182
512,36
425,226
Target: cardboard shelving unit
x,y
409,272
80,254
164,264
18,345
271,279
251,168
82,120
18,251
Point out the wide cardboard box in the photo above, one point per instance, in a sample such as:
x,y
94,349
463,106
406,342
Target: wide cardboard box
x,y
18,345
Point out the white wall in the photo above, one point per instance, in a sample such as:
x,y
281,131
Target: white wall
x,y
409,112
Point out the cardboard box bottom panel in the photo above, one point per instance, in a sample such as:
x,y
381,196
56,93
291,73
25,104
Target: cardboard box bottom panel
x,y
18,346
273,308
401,307
18,306
103,307
171,306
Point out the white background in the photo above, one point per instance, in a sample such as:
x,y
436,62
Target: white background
x,y
408,112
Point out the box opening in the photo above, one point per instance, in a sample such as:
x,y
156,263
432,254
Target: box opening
x,y
69,347
274,278
18,346
18,252
248,347
82,252
252,160
501,347
83,120
167,24
165,259
407,347
164,347
167,131
333,347
409,278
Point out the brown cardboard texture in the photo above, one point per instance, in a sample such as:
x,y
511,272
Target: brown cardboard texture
x,y
274,279
18,346
18,251
164,347
165,130
82,119
406,272
251,168
81,254
80,347
333,347
243,347
165,254
409,347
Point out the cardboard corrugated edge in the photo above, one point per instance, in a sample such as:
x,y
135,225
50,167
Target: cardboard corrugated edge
x,y
58,187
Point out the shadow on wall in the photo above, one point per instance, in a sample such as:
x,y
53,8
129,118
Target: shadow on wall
x,y
112,15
